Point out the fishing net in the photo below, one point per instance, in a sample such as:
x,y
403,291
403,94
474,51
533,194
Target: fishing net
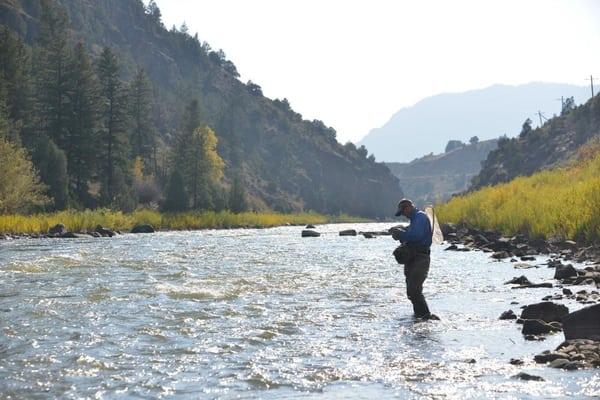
x,y
437,237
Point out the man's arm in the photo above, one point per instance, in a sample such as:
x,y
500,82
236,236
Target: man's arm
x,y
417,230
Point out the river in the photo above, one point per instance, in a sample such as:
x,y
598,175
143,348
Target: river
x,y
263,313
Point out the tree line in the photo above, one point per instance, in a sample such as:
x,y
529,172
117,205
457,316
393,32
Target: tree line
x,y
74,134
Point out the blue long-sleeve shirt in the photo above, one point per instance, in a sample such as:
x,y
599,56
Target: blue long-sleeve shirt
x,y
419,230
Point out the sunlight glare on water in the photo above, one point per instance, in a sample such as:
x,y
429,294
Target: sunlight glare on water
x,y
262,313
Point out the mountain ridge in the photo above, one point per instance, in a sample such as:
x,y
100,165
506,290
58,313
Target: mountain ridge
x,y
487,113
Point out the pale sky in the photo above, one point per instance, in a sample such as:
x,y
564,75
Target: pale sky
x,y
353,64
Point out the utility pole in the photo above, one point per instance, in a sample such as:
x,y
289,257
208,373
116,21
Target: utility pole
x,y
562,103
591,79
539,113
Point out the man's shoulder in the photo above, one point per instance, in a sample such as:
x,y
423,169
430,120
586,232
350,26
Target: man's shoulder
x,y
421,214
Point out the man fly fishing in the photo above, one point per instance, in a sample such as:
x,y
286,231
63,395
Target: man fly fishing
x,y
414,253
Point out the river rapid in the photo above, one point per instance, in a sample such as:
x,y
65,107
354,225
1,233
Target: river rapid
x,y
263,313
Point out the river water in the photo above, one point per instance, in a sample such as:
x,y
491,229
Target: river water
x,y
262,314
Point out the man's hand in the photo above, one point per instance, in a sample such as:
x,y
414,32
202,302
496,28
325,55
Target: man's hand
x,y
396,232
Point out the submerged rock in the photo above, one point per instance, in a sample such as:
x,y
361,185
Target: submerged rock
x,y
538,327
310,233
527,377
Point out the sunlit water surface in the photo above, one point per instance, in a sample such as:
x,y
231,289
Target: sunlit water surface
x,y
262,314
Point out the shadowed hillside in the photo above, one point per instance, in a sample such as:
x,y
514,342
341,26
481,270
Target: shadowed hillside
x,y
284,162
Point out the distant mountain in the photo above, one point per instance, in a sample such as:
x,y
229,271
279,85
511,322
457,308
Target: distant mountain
x,y
487,113
434,178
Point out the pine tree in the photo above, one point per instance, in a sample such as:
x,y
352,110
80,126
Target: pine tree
x,y
83,125
15,79
237,195
142,132
114,145
52,67
177,198
51,162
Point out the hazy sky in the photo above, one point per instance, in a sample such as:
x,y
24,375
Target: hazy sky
x,y
353,64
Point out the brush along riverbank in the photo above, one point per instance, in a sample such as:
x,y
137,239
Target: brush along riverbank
x,y
88,221
559,203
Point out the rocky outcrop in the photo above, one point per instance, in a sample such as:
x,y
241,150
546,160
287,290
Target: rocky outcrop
x,y
572,354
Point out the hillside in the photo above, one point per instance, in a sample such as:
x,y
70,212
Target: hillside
x,y
487,113
550,145
285,163
434,178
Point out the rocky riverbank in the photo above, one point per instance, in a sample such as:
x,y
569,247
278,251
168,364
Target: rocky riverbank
x,y
581,348
61,231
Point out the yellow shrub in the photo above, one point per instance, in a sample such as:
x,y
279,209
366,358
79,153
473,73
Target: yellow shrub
x,y
561,202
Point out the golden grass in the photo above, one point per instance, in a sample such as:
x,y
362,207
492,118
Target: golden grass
x,y
563,202
79,221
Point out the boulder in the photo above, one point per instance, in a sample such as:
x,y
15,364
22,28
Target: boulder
x,y
537,327
548,356
310,233
71,235
521,280
559,363
498,255
527,377
554,263
348,232
508,315
104,232
583,324
564,271
546,311
527,258
143,228
534,285
57,230
502,244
